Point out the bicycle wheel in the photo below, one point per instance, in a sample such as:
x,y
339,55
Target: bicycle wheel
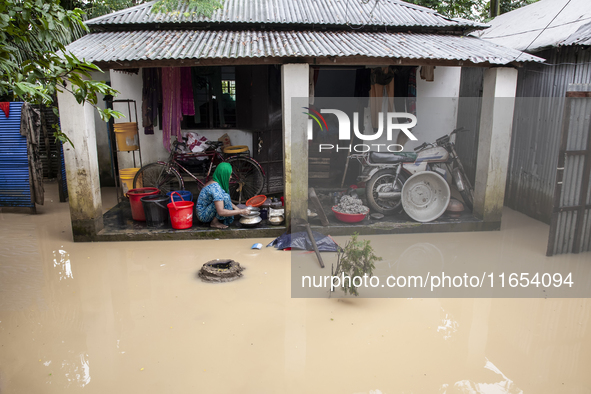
x,y
158,175
247,179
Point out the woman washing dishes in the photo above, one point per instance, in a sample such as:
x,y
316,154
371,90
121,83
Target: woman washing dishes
x,y
214,205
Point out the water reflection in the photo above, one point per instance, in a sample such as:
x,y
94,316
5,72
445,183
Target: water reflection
x,y
61,260
503,385
448,325
77,372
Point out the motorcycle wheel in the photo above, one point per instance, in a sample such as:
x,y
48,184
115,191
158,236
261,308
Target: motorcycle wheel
x,y
465,192
381,181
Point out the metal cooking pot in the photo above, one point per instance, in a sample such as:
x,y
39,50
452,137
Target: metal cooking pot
x,y
276,220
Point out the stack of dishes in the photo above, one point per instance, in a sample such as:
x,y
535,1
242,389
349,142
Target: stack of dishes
x,y
252,219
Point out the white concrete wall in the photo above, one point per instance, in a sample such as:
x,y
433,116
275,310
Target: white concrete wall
x,y
437,105
130,87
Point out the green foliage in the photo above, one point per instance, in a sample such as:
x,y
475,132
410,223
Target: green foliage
x,y
189,7
34,63
96,8
356,259
452,8
478,10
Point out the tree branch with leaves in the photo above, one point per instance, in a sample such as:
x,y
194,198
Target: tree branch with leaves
x,y
34,63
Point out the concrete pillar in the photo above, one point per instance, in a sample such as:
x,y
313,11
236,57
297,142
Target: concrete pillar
x,y
82,170
294,85
496,123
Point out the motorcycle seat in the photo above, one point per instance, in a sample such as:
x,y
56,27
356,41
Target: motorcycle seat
x,y
392,157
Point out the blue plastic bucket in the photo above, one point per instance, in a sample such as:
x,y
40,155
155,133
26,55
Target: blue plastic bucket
x,y
185,194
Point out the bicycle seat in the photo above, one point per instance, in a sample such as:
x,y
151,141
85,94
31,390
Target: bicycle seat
x,y
392,157
215,144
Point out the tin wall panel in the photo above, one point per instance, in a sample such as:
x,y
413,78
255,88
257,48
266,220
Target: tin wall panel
x,y
15,189
570,229
537,128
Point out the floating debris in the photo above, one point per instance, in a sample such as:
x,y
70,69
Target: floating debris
x,y
351,205
220,271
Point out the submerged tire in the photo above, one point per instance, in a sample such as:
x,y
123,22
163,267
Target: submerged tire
x,y
381,181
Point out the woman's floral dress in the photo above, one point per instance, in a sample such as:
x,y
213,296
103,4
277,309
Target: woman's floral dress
x,y
205,204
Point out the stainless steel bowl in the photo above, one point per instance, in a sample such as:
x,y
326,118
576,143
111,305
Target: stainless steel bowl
x,y
276,220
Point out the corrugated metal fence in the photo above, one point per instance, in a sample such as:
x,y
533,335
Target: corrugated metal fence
x,y
570,230
537,128
537,121
15,189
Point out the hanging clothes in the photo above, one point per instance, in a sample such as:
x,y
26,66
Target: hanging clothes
x,y
382,79
151,97
171,104
428,73
31,128
188,106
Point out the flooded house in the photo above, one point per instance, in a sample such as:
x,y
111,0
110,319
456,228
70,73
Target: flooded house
x,y
256,69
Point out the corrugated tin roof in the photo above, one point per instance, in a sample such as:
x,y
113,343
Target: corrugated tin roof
x,y
304,12
581,37
519,28
199,44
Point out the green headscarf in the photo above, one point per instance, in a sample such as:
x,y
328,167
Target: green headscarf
x,y
222,176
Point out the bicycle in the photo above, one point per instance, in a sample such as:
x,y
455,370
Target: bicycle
x,y
247,178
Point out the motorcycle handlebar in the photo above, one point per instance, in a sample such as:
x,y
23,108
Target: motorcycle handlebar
x,y
423,145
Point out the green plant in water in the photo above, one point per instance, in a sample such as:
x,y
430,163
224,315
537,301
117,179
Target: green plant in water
x,y
357,258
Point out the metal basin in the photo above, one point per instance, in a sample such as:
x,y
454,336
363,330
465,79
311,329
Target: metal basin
x,y
251,221
425,196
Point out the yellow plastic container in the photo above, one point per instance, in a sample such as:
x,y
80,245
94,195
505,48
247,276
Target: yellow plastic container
x,y
127,136
126,175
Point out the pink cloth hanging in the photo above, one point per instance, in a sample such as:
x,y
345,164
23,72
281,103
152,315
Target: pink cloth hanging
x,y
187,91
171,104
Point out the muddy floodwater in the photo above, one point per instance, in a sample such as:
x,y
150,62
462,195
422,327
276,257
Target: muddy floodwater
x,y
133,317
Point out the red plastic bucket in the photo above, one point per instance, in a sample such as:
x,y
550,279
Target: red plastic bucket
x,y
134,195
181,213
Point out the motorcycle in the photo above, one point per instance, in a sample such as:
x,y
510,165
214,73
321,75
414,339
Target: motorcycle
x,y
385,173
